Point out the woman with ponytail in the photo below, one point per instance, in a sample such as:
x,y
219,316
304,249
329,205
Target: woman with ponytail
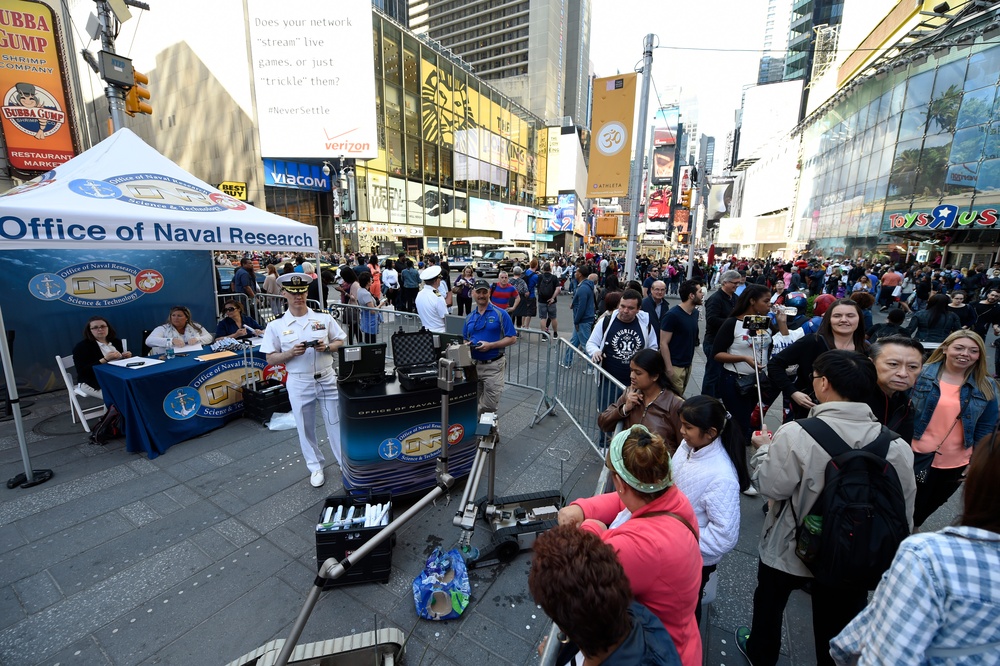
x,y
710,469
651,525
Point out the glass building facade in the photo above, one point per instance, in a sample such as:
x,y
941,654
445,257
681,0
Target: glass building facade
x,y
452,152
915,155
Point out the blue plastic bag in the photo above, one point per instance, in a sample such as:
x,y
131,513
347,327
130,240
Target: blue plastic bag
x,y
441,591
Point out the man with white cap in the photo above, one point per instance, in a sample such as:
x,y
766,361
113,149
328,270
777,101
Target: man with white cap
x,y
432,305
304,342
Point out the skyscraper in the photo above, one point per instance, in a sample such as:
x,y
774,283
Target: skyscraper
x,y
772,63
537,52
807,16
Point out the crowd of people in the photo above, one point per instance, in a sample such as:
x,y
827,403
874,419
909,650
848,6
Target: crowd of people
x,y
917,398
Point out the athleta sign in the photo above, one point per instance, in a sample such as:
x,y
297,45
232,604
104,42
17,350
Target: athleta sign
x,y
945,216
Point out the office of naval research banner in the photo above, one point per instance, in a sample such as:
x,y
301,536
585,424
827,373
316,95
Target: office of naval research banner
x,y
123,195
111,233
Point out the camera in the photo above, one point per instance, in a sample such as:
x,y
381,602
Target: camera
x,y
312,343
753,324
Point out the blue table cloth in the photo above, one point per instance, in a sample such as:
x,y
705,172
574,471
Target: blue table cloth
x,y
171,402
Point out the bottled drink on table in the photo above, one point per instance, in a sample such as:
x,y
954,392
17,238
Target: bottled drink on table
x,y
170,349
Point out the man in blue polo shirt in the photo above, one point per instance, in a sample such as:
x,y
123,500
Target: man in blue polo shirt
x,y
489,330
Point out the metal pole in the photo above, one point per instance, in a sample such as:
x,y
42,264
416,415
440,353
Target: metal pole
x,y
640,149
675,180
115,95
692,229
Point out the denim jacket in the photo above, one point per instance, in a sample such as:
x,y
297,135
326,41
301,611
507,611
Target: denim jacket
x,y
979,415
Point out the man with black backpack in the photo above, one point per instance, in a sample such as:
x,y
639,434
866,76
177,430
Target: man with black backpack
x,y
842,491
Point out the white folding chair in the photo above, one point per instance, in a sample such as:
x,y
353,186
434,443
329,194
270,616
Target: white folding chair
x,y
65,363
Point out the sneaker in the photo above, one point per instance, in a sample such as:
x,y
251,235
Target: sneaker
x,y
317,479
88,391
742,636
566,365
751,492
588,371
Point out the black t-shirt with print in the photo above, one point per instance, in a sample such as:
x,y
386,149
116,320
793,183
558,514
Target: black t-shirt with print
x,y
620,345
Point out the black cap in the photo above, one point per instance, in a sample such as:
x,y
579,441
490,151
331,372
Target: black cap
x,y
480,284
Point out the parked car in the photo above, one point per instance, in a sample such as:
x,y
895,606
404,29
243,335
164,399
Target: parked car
x,y
501,259
226,278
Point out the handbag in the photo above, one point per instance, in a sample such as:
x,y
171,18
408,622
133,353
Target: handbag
x,y
746,384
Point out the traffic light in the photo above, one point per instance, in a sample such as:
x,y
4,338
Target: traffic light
x,y
683,237
135,98
686,196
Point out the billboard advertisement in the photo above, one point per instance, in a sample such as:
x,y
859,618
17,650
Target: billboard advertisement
x,y
304,66
563,214
33,114
663,164
611,151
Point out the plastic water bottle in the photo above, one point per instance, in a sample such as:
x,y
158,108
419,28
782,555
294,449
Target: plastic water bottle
x,y
170,349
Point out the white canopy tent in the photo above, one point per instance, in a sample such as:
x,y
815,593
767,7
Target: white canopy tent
x,y
123,195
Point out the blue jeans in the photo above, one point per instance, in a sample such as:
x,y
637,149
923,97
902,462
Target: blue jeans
x,y
712,371
581,333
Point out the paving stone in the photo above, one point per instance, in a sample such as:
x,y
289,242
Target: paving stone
x,y
48,496
41,635
189,603
483,641
85,652
10,538
182,495
139,514
236,532
37,592
162,504
11,610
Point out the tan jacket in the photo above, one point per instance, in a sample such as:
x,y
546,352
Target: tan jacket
x,y
663,418
792,468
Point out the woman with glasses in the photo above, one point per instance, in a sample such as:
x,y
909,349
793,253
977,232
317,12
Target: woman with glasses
x,y
100,344
236,323
179,330
955,402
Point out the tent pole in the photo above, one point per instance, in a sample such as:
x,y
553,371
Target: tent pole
x,y
29,477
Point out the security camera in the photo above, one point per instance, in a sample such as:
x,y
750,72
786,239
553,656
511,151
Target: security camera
x,y
326,168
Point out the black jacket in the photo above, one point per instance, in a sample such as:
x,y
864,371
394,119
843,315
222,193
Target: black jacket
x,y
718,307
86,355
894,412
649,306
803,352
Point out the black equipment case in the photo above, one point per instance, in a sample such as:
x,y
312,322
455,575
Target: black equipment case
x,y
377,566
415,359
262,399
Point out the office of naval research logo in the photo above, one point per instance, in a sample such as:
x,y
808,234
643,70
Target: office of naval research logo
x,y
96,284
182,403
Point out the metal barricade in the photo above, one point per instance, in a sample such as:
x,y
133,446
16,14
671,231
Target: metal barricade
x,y
249,305
349,317
583,390
529,365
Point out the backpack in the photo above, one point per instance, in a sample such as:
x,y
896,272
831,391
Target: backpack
x,y
861,508
110,426
522,288
547,284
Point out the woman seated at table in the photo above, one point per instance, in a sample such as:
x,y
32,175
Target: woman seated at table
x,y
179,329
236,322
100,345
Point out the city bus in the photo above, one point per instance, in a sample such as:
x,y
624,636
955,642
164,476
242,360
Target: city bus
x,y
465,251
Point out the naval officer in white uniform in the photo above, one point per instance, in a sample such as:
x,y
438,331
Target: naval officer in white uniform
x,y
304,341
432,305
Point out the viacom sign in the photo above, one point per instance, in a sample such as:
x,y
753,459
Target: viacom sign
x,y
295,175
96,284
945,216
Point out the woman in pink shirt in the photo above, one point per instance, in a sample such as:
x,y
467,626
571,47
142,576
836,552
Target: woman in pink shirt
x,y
651,525
955,401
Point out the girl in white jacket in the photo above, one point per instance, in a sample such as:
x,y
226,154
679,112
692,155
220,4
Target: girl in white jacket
x,y
710,469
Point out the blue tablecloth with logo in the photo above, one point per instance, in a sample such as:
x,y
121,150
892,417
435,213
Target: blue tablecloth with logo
x,y
171,402
391,438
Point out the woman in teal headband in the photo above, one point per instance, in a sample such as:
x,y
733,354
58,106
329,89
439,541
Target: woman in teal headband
x,y
653,529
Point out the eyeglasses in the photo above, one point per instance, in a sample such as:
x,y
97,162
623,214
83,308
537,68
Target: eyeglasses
x,y
815,376
230,309
98,328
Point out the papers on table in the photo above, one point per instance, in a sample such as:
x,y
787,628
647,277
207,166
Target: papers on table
x,y
135,363
215,356
189,349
